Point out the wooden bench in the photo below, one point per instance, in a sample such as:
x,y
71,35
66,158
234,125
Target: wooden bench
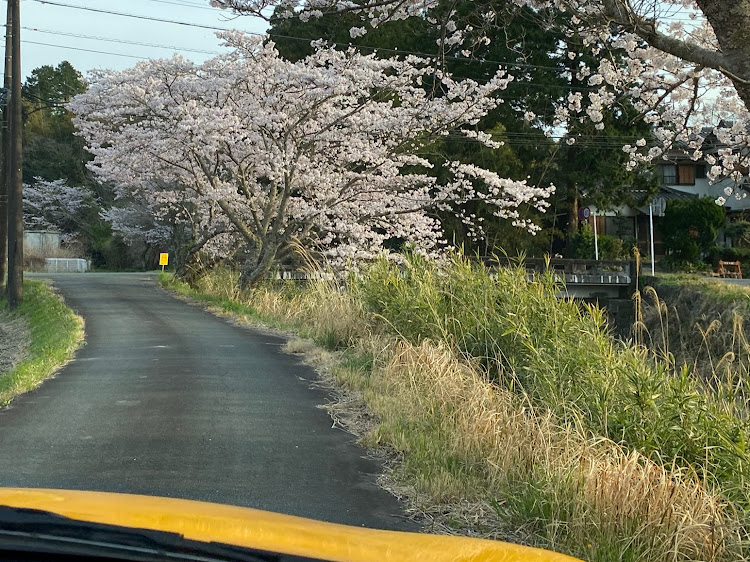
x,y
729,269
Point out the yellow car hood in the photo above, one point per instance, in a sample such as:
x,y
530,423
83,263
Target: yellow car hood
x,y
260,530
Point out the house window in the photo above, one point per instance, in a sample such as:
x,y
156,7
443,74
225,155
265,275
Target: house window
x,y
686,174
680,174
700,171
669,174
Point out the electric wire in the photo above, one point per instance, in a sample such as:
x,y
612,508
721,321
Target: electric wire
x,y
122,41
201,6
308,40
27,41
557,69
515,139
513,85
135,16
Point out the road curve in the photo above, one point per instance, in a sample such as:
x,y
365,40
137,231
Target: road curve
x,y
167,399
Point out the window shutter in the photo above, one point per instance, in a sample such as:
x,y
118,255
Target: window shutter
x,y
686,174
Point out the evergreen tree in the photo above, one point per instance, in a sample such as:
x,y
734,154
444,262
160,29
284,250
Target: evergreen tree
x,y
534,49
51,149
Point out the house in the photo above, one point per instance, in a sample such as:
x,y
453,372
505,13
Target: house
x,y
680,178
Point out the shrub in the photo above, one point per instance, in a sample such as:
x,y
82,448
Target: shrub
x,y
738,231
610,248
717,253
675,265
690,226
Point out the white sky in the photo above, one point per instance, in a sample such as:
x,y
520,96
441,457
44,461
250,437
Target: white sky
x,y
45,22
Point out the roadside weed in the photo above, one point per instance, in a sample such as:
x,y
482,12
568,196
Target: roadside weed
x,y
56,333
515,414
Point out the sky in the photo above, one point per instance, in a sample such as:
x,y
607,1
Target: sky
x,y
55,30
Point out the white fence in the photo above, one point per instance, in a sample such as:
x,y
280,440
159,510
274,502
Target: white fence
x,y
296,275
66,265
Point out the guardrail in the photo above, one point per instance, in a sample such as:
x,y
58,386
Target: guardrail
x,y
573,272
66,265
622,273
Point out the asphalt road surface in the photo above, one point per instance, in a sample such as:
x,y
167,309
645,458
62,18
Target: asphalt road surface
x,y
166,399
741,282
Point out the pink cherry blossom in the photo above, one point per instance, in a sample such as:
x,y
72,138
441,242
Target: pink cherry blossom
x,y
684,69
259,154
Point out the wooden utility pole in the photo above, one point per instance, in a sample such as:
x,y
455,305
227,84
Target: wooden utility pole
x,y
4,144
15,162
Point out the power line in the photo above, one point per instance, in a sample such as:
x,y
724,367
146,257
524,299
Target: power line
x,y
380,49
464,60
274,35
136,16
512,85
82,49
306,39
201,6
123,41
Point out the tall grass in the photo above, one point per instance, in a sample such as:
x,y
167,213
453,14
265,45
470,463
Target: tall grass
x,y
560,354
319,310
495,392
464,438
704,325
56,332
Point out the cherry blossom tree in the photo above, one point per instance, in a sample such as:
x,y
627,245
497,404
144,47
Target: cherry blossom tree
x,y
717,39
261,154
165,216
55,205
687,70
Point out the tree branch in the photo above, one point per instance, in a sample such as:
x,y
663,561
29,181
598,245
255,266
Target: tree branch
x,y
621,14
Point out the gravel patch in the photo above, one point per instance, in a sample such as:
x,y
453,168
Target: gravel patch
x,y
14,341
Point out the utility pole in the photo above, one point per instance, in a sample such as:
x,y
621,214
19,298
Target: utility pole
x,y
15,162
4,144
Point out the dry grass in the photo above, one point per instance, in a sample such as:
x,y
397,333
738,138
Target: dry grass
x,y
331,317
299,346
55,333
701,323
34,258
15,338
480,459
559,488
707,335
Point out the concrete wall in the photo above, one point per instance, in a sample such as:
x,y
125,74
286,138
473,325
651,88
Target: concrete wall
x,y
41,241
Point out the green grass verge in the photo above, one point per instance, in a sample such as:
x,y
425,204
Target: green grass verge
x,y
224,304
56,333
711,287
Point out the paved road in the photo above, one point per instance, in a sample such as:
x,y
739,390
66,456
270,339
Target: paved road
x,y
741,282
167,399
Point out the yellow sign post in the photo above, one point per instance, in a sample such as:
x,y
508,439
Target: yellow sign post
x,y
163,260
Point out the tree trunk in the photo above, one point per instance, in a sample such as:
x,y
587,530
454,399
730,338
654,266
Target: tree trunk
x,y
190,266
255,270
572,220
730,20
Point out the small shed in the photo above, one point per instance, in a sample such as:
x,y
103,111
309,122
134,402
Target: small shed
x,y
42,241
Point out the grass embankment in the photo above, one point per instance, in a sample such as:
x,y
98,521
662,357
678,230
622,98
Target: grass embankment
x,y
701,322
55,334
515,414
710,286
